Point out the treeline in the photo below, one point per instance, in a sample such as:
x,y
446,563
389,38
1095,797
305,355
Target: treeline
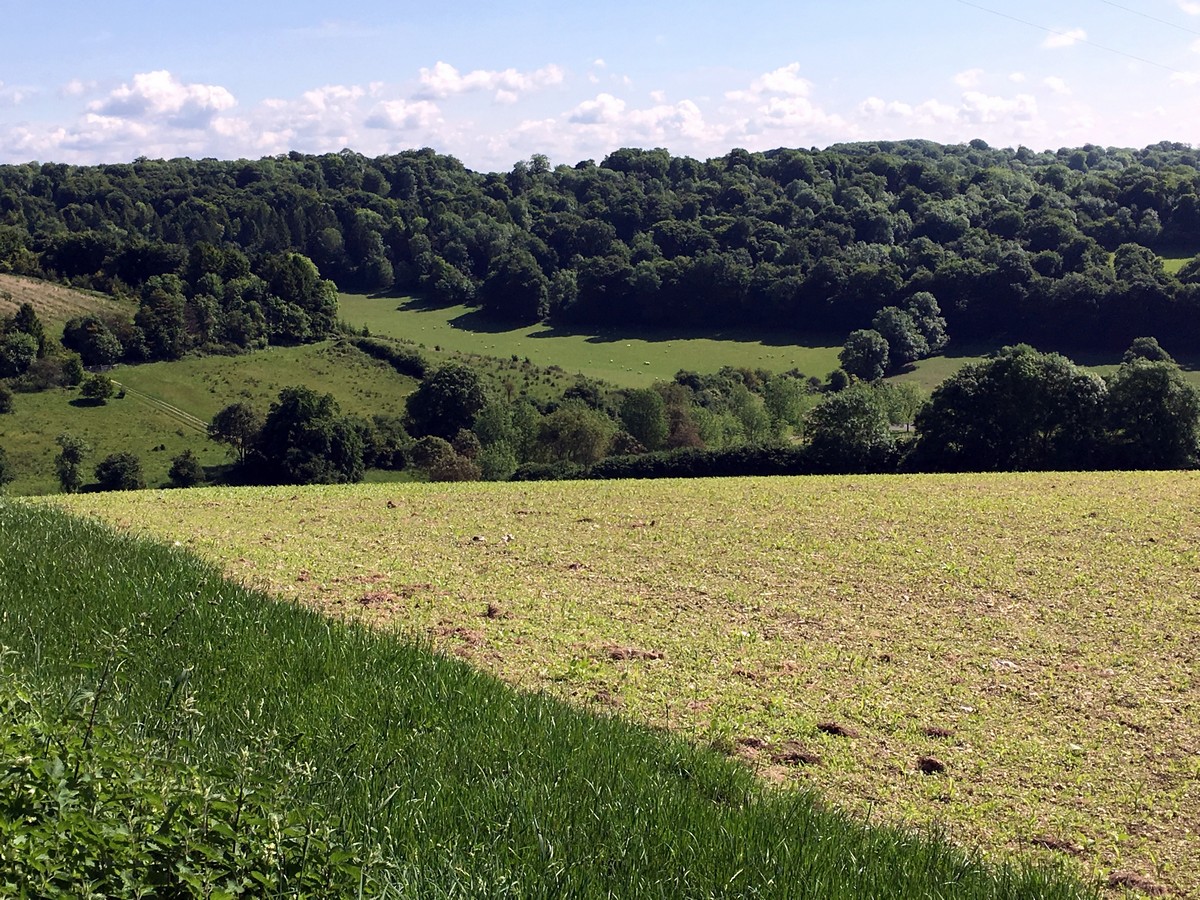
x,y
1051,248
1017,410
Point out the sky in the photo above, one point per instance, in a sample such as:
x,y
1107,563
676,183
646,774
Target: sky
x,y
495,83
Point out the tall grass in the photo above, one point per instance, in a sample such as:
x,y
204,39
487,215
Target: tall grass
x,y
468,787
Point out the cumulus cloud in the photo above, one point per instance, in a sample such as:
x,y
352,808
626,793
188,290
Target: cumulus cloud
x,y
604,108
968,79
160,95
403,115
1062,39
444,80
785,80
1057,85
1185,79
975,108
1192,9
11,95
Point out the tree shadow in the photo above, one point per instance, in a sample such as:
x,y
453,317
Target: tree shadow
x,y
87,402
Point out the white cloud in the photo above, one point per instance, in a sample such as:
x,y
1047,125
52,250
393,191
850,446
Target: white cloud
x,y
14,96
599,63
979,109
403,115
658,96
160,95
444,80
605,108
76,87
1017,77
1192,9
1057,85
975,108
1062,39
1185,79
968,79
785,80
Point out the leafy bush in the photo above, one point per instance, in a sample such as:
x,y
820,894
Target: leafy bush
x,y
186,470
120,472
85,812
405,360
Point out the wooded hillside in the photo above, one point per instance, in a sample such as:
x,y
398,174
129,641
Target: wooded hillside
x,y
1059,249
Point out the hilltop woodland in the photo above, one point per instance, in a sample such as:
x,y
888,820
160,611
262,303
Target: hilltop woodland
x,y
900,247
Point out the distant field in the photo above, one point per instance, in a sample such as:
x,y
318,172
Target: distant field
x,y
53,303
625,360
1034,634
198,387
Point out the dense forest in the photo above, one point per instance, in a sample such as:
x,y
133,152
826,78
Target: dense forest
x,y
1057,249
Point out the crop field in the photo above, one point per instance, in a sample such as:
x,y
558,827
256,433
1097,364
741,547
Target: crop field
x,y
166,731
1011,659
54,303
624,359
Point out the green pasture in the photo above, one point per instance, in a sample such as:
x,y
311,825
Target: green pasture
x,y
167,404
633,359
1029,637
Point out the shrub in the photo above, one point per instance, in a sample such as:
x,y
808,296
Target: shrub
x,y
120,472
186,470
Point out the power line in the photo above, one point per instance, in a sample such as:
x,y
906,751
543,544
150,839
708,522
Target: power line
x,y
1138,12
1074,37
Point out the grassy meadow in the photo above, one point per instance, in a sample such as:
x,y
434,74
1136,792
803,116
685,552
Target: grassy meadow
x,y
1031,637
432,779
167,404
625,359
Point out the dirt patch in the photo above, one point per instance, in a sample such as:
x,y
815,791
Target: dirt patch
x,y
837,729
621,654
930,765
1135,882
1058,844
793,754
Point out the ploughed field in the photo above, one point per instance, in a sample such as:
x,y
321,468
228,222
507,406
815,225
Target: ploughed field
x,y
1011,658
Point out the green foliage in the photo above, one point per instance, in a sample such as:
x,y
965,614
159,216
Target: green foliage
x,y
186,470
68,463
1019,410
446,402
305,440
1153,417
120,472
848,431
865,354
93,340
905,342
644,415
237,425
18,350
1147,348
97,388
88,812
6,399
405,359
575,433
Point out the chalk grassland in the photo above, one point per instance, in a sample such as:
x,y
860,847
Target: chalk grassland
x,y
626,359
436,779
1034,634
167,405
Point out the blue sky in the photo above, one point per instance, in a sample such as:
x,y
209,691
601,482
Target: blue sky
x,y
493,83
